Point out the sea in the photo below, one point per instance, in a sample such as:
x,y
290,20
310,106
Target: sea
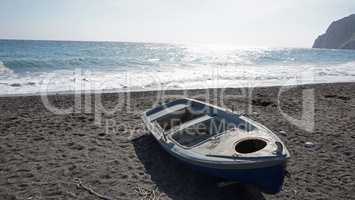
x,y
37,67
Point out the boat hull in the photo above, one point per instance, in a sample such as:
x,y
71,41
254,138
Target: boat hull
x,y
268,180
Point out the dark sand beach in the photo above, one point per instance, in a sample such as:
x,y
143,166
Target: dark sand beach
x,y
43,155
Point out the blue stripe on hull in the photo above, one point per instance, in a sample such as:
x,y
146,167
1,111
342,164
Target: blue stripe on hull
x,y
268,180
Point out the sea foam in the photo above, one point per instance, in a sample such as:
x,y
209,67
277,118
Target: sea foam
x,y
37,66
4,70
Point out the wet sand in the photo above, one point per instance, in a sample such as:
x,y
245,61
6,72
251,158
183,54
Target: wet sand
x,y
43,154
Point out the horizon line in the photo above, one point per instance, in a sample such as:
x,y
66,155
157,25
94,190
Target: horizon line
x,y
145,42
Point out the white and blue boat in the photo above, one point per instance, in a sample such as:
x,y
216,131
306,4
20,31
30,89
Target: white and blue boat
x,y
220,143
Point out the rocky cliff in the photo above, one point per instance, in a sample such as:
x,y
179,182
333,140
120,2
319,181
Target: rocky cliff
x,y
339,35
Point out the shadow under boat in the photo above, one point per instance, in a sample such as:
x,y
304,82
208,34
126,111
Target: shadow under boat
x,y
179,181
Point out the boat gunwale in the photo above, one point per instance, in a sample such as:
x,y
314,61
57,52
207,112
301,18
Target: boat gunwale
x,y
226,163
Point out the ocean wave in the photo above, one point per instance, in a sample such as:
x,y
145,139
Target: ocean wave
x,y
60,66
4,70
347,64
33,65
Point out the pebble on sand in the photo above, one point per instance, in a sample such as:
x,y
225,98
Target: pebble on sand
x,y
283,133
309,144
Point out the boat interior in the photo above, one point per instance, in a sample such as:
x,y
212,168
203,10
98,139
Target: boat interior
x,y
190,127
177,118
199,132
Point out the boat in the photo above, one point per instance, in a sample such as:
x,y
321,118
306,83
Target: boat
x,y
220,143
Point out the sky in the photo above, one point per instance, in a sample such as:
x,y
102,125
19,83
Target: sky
x,y
245,23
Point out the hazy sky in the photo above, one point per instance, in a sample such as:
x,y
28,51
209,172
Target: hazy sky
x,y
277,23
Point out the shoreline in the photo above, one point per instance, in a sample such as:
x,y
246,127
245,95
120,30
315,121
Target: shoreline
x,y
122,91
43,153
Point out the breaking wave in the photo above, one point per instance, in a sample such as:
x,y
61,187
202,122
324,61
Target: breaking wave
x,y
28,67
4,70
